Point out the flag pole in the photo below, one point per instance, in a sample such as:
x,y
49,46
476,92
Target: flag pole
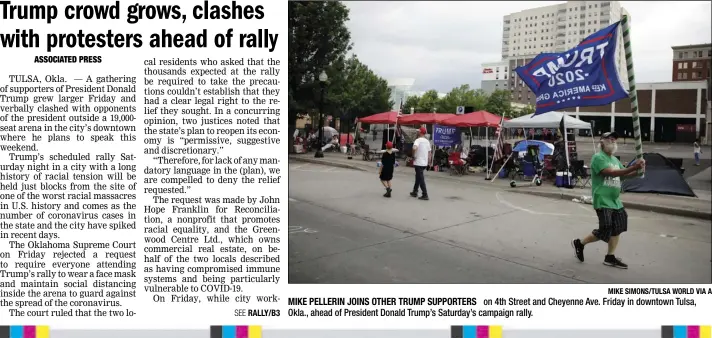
x,y
566,151
487,153
633,93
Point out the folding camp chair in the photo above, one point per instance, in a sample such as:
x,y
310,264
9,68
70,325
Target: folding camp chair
x,y
549,169
457,165
581,174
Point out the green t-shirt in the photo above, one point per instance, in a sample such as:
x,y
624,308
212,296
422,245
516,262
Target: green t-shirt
x,y
606,190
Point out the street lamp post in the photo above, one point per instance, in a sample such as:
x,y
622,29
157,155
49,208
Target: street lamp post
x,y
322,82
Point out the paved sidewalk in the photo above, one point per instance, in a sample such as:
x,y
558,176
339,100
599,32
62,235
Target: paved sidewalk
x,y
664,204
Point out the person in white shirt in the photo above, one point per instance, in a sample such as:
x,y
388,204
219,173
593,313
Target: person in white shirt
x,y
697,150
421,159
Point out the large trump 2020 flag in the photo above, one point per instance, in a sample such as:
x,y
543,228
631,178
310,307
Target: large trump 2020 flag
x,y
585,75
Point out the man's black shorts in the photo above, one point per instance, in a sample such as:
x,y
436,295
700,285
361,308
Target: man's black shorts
x,y
611,222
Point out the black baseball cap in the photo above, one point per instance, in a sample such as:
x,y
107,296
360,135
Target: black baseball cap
x,y
612,134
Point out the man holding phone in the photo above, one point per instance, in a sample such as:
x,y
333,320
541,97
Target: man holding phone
x,y
606,174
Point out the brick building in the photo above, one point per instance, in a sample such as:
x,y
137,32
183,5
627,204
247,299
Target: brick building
x,y
691,62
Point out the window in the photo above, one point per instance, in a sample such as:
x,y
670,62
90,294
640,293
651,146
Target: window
x,y
679,65
679,55
679,76
685,55
684,65
694,65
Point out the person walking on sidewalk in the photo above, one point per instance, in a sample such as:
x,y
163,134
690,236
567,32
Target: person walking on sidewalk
x,y
388,163
606,174
421,158
697,150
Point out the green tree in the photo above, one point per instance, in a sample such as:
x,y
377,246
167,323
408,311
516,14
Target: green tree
x,y
524,111
428,101
318,37
500,103
354,90
463,96
411,102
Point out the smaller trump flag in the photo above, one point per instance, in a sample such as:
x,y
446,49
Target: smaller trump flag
x,y
585,75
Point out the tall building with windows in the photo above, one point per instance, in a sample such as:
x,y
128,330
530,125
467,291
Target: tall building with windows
x,y
400,90
495,76
663,107
555,29
691,62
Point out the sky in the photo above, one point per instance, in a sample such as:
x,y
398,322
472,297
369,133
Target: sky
x,y
443,44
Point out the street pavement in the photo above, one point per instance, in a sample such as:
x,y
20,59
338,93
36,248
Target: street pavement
x,y
341,230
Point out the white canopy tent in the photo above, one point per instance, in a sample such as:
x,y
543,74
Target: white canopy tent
x,y
546,120
550,120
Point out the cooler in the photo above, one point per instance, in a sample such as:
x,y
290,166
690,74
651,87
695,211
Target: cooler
x,y
528,169
561,179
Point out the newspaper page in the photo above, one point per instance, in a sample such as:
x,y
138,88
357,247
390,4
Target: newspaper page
x,y
240,169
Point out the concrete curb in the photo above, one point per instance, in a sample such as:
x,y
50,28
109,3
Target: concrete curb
x,y
629,205
326,163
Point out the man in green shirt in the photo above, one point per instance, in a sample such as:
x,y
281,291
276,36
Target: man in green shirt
x,y
606,174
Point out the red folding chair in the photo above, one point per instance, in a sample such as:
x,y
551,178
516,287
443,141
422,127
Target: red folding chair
x,y
457,165
549,170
